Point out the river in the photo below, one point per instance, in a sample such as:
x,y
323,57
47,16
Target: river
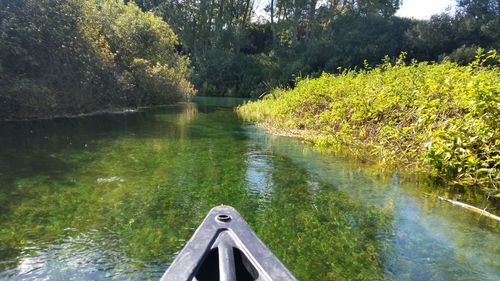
x,y
116,196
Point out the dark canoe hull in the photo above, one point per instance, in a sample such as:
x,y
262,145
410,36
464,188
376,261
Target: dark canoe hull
x,y
225,248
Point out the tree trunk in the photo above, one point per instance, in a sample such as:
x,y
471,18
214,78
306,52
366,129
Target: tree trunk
x,y
273,29
247,10
295,24
312,18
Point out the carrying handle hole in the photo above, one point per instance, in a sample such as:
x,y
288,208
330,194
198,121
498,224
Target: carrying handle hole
x,y
223,218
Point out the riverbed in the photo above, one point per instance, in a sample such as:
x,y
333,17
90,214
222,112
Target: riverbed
x,y
116,196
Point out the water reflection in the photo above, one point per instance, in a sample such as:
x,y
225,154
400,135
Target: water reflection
x,y
430,239
114,197
259,176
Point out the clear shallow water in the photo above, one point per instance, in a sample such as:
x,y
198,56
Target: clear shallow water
x,y
114,197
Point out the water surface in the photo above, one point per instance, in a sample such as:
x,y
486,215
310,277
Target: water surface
x,y
116,196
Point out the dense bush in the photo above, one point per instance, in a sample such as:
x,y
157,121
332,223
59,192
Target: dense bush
x,y
227,74
69,57
440,118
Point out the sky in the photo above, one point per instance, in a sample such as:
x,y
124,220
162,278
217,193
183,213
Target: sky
x,y
424,9
419,9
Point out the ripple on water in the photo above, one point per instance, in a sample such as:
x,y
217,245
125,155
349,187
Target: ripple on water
x,y
86,256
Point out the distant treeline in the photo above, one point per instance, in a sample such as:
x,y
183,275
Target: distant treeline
x,y
234,55
61,57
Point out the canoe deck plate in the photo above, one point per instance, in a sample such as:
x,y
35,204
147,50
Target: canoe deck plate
x,y
224,248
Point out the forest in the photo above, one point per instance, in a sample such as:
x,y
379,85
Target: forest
x,y
235,54
63,57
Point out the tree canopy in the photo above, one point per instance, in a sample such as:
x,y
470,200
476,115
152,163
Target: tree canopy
x,y
236,53
68,57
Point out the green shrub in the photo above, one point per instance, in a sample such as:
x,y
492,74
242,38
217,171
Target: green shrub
x,y
220,73
73,56
443,119
158,83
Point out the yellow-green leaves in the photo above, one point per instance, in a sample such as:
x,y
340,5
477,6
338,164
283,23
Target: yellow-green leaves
x,y
441,118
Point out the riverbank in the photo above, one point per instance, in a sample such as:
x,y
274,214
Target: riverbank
x,y
442,120
58,116
115,110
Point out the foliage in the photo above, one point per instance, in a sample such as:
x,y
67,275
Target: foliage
x,y
441,118
83,52
235,74
158,78
348,43
474,24
69,57
306,37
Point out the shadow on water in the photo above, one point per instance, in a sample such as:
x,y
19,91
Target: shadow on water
x,y
45,146
115,196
